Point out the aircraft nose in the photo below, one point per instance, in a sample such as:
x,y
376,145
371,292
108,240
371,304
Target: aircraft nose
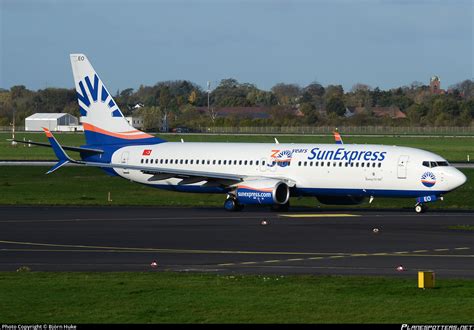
x,y
459,179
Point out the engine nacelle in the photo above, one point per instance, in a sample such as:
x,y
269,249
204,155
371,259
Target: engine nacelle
x,y
341,200
268,191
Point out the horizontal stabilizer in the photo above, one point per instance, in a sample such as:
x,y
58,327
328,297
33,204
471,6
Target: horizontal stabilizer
x,y
69,148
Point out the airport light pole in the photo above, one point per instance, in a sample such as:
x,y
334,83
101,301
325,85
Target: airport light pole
x,y
13,129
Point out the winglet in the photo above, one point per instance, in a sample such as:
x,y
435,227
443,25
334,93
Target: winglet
x,y
58,150
337,137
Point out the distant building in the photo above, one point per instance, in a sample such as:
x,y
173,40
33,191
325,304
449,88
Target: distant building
x,y
435,86
136,122
52,121
379,112
137,106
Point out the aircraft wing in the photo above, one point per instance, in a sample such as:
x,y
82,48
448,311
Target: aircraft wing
x,y
337,137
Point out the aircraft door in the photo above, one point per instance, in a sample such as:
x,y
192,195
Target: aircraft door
x,y
124,160
402,167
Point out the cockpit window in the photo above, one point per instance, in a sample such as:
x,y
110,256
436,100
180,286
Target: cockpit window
x,y
435,164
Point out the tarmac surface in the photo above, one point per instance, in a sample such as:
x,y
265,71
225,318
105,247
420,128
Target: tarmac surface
x,y
302,241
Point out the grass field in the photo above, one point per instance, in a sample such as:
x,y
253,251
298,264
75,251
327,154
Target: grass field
x,y
455,149
64,298
25,185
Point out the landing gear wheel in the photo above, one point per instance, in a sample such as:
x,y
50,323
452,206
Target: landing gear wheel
x,y
232,205
420,208
280,207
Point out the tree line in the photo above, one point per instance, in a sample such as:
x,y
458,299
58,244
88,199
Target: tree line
x,y
184,103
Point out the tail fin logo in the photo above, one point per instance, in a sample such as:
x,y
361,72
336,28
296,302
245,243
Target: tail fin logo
x,y
87,98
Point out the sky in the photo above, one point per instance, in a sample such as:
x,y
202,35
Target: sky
x,y
383,44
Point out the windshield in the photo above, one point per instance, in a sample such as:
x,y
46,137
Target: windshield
x,y
432,164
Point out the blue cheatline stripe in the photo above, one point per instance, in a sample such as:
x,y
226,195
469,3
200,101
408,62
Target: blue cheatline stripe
x,y
367,192
314,191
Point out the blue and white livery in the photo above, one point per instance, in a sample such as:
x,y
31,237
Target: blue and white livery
x,y
250,173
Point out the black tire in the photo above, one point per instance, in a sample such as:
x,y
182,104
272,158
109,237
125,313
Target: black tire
x,y
232,205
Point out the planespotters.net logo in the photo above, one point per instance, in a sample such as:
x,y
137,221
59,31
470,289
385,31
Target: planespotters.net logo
x,y
437,327
428,179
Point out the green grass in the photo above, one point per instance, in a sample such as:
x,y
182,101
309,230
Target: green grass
x,y
28,185
455,149
462,227
201,298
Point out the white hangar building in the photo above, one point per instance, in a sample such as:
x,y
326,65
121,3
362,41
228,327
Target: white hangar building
x,y
52,121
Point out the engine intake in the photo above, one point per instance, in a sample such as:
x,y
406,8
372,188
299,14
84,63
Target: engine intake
x,y
267,191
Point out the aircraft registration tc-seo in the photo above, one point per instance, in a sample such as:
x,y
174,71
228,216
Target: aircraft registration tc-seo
x,y
249,173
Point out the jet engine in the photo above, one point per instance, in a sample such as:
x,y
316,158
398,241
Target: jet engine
x,y
265,191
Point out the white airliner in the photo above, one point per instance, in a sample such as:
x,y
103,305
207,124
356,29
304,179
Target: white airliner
x,y
249,173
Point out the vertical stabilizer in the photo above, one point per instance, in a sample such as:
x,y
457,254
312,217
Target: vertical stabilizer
x,y
103,122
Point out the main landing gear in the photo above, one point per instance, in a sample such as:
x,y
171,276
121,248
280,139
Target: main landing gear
x,y
231,204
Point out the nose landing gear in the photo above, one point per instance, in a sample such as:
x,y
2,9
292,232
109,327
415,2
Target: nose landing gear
x,y
420,202
420,208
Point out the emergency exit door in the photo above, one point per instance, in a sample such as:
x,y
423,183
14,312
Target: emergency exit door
x,y
402,167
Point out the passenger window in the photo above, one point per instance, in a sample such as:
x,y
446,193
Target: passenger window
x,y
245,162
299,163
208,162
250,163
329,163
240,162
263,162
256,162
225,162
357,164
142,161
186,162
380,164
191,161
373,165
305,163
362,164
316,164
